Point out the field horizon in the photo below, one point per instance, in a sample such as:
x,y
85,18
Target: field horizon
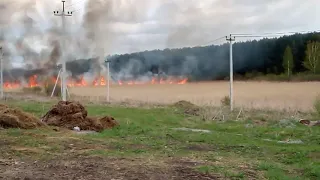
x,y
248,94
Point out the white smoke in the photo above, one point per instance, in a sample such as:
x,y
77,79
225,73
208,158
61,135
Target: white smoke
x,y
32,36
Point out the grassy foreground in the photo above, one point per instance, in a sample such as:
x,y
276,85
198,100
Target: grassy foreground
x,y
250,148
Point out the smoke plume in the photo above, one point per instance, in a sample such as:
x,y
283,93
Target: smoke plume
x,y
34,38
34,41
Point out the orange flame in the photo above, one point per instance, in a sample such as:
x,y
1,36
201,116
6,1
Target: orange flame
x,y
99,81
8,85
33,81
183,81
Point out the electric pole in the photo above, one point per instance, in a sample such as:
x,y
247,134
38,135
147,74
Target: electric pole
x,y
64,69
230,39
1,73
108,84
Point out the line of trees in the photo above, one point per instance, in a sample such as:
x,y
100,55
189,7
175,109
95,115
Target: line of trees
x,y
284,58
311,61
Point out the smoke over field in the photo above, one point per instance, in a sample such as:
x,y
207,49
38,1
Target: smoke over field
x,y
32,40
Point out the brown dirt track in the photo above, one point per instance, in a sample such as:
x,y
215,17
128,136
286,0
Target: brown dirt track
x,y
293,95
96,168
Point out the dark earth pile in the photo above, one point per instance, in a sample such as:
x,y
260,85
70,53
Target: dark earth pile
x,y
15,118
69,114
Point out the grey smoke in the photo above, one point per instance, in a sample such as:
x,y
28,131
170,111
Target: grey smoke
x,y
31,34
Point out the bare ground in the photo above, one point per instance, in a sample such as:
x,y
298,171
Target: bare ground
x,y
82,167
18,162
72,160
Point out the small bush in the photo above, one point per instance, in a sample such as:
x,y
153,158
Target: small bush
x,y
49,85
225,101
317,105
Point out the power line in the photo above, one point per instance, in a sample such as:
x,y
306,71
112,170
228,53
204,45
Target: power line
x,y
232,38
274,33
248,36
210,42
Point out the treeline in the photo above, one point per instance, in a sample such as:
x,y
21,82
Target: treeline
x,y
294,57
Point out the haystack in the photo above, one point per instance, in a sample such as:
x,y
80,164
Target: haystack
x,y
69,114
15,118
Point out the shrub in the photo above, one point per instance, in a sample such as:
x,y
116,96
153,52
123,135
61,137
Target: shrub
x,y
317,105
48,88
225,101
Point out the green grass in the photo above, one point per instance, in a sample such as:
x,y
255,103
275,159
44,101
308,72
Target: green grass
x,y
233,149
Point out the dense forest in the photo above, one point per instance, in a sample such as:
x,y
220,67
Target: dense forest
x,y
287,57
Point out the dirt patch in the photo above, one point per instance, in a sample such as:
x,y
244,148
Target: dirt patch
x,y
98,168
28,150
187,162
314,155
69,114
200,148
261,122
187,107
16,118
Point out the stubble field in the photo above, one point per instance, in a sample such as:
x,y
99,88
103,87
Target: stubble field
x,y
274,95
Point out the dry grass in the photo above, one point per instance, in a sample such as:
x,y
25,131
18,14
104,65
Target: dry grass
x,y
274,95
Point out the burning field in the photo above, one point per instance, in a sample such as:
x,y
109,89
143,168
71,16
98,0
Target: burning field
x,y
34,81
274,95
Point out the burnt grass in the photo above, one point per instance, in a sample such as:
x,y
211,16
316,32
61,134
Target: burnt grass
x,y
145,146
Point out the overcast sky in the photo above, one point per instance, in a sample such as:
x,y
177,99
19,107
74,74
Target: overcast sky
x,y
137,25
153,24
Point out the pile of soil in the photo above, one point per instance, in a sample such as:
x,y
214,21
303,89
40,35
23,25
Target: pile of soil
x,y
15,118
187,107
69,114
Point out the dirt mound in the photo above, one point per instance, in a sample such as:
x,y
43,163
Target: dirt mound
x,y
187,107
15,118
69,114
2,106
